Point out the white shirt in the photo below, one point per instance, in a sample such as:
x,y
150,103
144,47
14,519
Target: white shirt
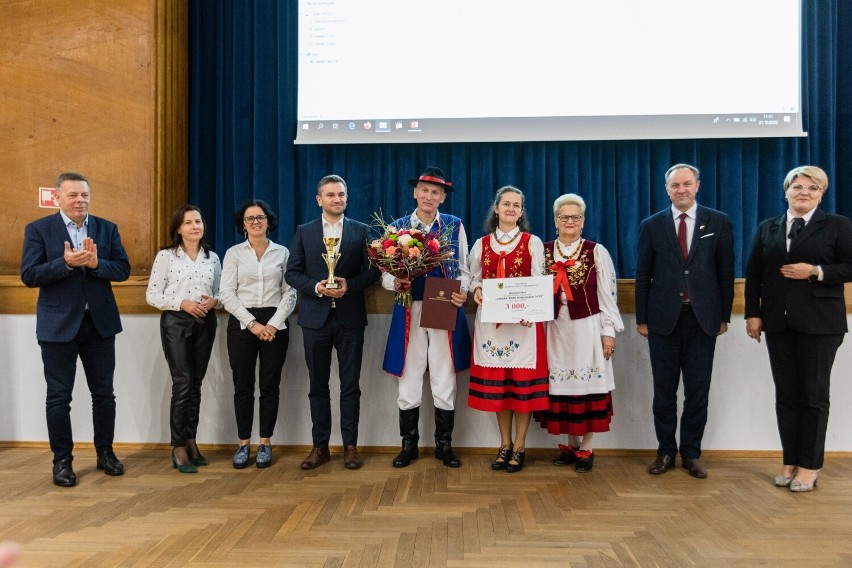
x,y
175,277
251,283
690,222
463,272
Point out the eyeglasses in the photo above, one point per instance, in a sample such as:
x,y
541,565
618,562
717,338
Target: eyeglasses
x,y
252,218
566,218
798,188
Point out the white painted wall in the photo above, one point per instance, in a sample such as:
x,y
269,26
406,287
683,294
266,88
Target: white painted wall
x,y
742,415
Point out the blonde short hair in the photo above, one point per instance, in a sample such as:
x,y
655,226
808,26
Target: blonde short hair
x,y
569,199
816,173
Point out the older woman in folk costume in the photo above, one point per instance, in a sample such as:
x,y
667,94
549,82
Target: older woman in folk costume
x,y
508,374
581,340
412,349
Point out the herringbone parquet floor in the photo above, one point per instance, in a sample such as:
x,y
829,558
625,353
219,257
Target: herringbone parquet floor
x,y
424,515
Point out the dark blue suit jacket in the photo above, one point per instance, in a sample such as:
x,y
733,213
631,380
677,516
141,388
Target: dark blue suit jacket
x,y
806,307
64,293
306,267
707,274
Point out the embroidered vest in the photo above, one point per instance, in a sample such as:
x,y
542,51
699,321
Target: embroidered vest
x,y
518,261
583,279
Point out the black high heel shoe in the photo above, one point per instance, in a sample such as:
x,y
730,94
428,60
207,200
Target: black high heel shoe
x,y
503,456
518,458
183,468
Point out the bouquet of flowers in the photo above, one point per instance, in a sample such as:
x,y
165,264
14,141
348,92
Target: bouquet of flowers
x,y
408,253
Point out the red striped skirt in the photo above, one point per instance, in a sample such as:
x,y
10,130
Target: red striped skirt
x,y
577,415
521,390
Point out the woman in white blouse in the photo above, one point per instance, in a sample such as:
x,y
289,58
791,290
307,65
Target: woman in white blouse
x,y
184,284
581,340
259,300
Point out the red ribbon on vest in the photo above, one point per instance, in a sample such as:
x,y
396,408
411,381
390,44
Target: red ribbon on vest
x,y
501,266
561,278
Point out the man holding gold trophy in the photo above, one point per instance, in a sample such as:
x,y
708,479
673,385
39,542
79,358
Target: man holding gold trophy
x,y
329,265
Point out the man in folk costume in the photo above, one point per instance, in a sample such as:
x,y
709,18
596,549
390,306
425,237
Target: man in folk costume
x,y
412,349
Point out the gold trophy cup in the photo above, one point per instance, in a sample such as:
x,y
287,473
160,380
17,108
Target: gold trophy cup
x,y
331,259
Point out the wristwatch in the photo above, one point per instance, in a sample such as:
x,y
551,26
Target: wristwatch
x,y
251,324
814,275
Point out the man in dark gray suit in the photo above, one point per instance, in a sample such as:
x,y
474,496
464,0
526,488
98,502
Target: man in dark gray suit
x,y
332,318
72,257
684,294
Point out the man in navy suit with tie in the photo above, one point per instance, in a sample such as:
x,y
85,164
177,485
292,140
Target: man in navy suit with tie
x,y
72,257
332,318
684,293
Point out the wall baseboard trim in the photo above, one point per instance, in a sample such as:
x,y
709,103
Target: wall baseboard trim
x,y
425,450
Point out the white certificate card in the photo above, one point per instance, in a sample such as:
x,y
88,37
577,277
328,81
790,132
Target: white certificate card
x,y
510,300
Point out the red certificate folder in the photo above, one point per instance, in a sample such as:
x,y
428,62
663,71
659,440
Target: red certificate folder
x,y
438,310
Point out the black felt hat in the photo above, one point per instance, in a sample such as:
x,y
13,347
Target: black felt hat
x,y
433,175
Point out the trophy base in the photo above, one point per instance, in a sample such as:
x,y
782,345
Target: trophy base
x,y
332,285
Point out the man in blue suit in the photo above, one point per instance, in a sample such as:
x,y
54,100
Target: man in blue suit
x,y
332,318
684,293
72,257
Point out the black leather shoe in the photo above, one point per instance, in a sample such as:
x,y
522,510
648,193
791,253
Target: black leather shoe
x,y
109,463
63,474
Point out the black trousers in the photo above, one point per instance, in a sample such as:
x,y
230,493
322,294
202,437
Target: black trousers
x,y
187,343
60,369
690,351
244,349
349,343
801,369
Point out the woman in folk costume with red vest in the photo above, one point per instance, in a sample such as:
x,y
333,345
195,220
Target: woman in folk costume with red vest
x,y
508,374
581,340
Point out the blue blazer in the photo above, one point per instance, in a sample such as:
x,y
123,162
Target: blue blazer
x,y
707,274
63,293
807,307
306,267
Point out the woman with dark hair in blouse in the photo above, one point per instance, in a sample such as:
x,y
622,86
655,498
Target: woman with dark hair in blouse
x,y
508,374
259,300
184,284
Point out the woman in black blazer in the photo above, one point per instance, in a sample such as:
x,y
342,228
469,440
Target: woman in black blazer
x,y
794,293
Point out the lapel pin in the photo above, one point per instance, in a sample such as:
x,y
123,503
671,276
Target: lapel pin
x,y
701,228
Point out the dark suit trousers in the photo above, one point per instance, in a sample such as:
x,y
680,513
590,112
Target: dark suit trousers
x,y
801,368
349,343
244,348
187,343
689,350
60,368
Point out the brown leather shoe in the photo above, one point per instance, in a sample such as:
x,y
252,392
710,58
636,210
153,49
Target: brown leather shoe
x,y
316,458
661,465
351,459
695,468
